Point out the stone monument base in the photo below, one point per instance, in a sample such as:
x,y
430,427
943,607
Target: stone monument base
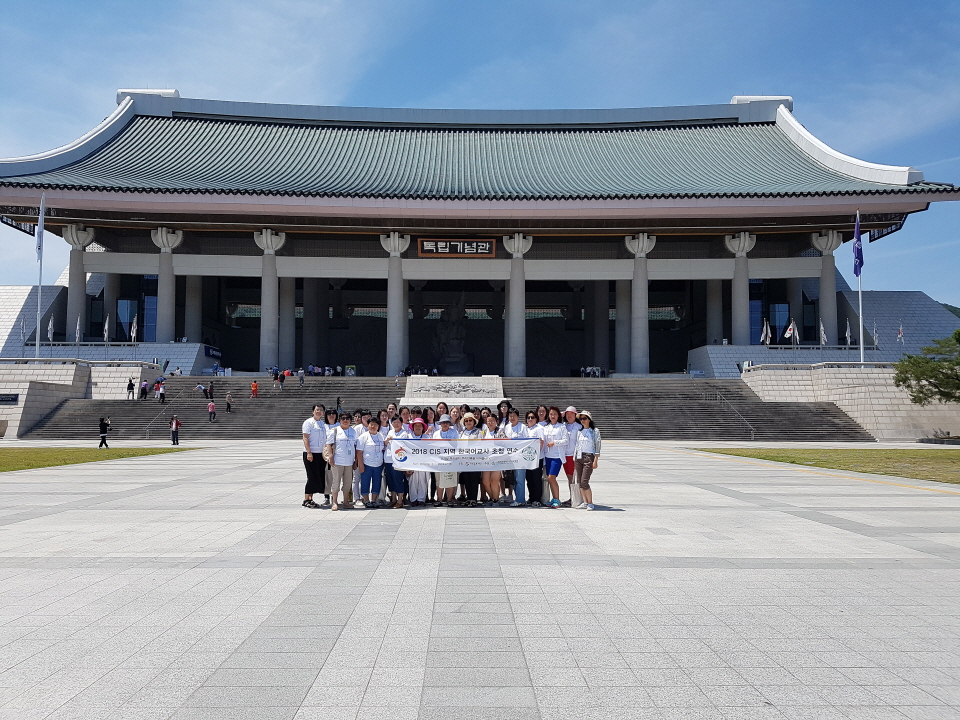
x,y
424,390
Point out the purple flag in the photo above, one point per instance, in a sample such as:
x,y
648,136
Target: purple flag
x,y
857,248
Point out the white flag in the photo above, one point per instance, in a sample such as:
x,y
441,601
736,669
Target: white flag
x,y
792,332
106,329
50,330
789,332
876,335
23,336
823,333
900,334
76,333
765,333
848,332
133,330
43,211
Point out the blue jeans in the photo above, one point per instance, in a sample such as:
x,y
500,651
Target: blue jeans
x,y
519,489
370,479
395,479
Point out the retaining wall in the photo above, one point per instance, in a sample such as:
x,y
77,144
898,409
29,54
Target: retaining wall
x,y
866,394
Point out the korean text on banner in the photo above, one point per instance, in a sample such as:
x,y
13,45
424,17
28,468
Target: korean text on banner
x,y
464,455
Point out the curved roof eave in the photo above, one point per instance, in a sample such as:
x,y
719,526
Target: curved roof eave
x,y
827,156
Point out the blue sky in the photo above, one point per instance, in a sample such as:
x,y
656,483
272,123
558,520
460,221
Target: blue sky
x,y
877,80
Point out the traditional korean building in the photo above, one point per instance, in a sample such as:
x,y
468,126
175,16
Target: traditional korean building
x,y
514,242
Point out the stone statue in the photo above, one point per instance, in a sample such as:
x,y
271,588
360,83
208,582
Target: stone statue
x,y
450,337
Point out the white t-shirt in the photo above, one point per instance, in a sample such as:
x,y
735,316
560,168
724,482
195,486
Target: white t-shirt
x,y
573,432
537,432
344,445
371,445
557,434
474,434
401,434
451,434
317,432
515,432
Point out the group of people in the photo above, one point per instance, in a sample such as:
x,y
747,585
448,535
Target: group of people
x,y
348,458
596,371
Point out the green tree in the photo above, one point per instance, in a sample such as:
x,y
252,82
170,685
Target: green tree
x,y
934,375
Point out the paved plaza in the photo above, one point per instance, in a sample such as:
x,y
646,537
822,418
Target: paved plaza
x,y
194,586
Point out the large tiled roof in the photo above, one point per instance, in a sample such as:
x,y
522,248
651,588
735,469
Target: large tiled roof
x,y
282,157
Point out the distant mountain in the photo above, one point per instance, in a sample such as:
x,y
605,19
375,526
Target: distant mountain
x,y
955,310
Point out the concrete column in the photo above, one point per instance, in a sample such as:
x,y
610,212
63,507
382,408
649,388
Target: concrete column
x,y
506,327
714,312
589,328
323,321
795,299
515,341
111,291
193,309
826,242
287,331
311,319
639,246
601,323
740,244
622,327
269,241
166,239
78,238
394,243
405,313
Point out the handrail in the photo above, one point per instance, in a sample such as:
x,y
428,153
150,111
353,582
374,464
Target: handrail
x,y
720,398
78,361
820,365
146,428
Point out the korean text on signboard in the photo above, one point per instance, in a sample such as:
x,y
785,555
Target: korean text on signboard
x,y
430,247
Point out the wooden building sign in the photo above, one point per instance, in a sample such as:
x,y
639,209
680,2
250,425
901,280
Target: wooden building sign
x,y
432,247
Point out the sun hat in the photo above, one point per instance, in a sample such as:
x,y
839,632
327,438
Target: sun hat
x,y
418,420
444,418
570,408
585,412
469,416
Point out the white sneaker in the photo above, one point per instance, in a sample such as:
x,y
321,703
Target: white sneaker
x,y
581,506
590,507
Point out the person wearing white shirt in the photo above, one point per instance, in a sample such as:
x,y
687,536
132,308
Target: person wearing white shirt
x,y
370,461
586,458
470,480
395,478
419,480
342,448
516,430
329,423
573,432
314,438
555,440
446,481
535,476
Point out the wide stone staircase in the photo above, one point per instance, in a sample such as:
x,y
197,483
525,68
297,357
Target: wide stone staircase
x,y
684,408
680,408
278,414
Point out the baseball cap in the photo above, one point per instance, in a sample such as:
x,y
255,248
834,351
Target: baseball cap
x,y
444,418
570,408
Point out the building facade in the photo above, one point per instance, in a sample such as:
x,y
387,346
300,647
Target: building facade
x,y
486,242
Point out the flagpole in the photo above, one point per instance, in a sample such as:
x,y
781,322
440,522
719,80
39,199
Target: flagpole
x,y
39,234
860,299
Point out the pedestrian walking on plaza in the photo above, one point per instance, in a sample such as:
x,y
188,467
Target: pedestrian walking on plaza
x,y
280,379
254,390
175,430
210,390
586,458
104,429
163,393
144,389
212,410
300,377
229,399
131,389
314,439
342,451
